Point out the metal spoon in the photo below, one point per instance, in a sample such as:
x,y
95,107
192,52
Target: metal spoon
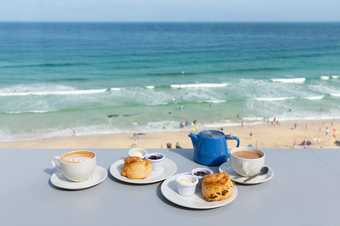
x,y
264,170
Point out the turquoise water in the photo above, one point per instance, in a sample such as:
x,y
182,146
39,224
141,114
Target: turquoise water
x,y
64,78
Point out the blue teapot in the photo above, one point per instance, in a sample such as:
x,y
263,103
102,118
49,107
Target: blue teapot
x,y
210,147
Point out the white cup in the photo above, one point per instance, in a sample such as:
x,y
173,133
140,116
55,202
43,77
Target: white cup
x,y
246,166
76,166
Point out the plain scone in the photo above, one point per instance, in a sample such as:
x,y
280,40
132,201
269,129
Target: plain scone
x,y
136,168
217,187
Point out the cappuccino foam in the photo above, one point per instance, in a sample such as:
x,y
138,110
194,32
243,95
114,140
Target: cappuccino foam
x,y
77,157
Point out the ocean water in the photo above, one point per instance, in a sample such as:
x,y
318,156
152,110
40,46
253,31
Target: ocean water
x,y
87,78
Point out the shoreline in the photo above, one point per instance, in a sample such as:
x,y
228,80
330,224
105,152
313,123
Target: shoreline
x,y
320,133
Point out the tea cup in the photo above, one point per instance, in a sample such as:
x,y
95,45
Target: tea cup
x,y
247,162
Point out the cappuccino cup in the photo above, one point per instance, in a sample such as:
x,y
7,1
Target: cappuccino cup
x,y
76,166
247,162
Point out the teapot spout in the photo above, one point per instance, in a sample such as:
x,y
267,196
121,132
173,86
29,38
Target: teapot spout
x,y
194,138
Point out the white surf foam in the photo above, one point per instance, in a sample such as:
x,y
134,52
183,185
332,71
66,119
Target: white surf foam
x,y
335,94
315,97
335,76
227,123
220,124
273,98
252,118
289,80
149,87
325,77
21,112
215,101
198,85
58,92
308,118
324,89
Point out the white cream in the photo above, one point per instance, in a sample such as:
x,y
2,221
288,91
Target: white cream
x,y
185,181
186,184
137,154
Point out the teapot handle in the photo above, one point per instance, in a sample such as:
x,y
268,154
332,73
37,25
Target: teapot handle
x,y
231,137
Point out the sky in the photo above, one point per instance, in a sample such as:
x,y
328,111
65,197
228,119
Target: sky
x,y
170,10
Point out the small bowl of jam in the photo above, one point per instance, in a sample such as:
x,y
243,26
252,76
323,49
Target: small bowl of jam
x,y
156,159
201,172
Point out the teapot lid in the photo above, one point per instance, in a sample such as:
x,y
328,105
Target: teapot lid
x,y
211,134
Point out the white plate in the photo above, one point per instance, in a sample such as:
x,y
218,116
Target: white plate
x,y
225,167
195,201
99,175
167,169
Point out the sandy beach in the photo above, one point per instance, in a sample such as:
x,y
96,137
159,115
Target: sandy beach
x,y
317,134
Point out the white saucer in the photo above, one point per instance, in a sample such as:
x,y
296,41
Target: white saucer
x,y
195,201
168,168
99,175
225,167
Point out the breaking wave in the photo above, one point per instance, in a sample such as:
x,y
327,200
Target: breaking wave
x,y
273,98
289,80
314,97
198,85
23,92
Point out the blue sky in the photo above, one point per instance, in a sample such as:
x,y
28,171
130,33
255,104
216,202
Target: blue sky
x,y
170,10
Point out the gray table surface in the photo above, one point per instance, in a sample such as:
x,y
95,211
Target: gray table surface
x,y
304,191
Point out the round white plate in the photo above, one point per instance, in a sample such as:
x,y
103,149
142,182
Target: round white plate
x,y
167,169
195,201
99,175
225,167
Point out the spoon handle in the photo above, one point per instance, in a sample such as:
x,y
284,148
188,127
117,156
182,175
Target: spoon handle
x,y
252,177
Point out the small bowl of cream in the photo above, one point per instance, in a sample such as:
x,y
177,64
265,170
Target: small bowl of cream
x,y
137,152
186,184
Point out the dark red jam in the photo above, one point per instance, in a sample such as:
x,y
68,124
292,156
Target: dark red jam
x,y
155,157
201,173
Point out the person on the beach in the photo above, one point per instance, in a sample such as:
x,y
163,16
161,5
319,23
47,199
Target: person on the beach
x,y
181,125
73,132
326,131
334,132
194,126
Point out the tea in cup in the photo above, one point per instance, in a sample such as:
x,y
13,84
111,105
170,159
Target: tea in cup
x,y
76,166
247,162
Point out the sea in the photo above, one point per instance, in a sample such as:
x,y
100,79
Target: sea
x,y
62,79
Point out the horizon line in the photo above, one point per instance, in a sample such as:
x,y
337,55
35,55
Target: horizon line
x,y
104,21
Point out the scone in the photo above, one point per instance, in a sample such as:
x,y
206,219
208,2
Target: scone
x,y
136,168
217,187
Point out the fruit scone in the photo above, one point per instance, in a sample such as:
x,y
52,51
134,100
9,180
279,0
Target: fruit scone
x,y
217,187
